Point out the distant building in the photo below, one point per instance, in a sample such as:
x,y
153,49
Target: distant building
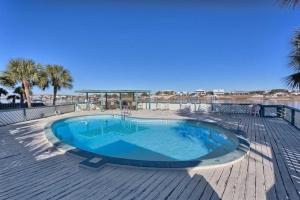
x,y
295,92
200,92
280,94
218,92
183,93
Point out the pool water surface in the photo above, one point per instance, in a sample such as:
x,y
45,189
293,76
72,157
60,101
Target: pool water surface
x,y
144,139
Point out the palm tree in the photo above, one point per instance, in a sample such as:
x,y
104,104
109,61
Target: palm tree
x,y
20,91
293,80
58,77
13,97
2,92
26,72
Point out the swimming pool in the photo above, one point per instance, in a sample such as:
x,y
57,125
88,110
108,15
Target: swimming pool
x,y
146,140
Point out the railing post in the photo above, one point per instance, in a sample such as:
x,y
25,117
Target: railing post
x,y
24,114
262,111
279,110
149,101
293,117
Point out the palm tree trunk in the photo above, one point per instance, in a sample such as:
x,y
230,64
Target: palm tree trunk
x,y
54,95
22,96
27,93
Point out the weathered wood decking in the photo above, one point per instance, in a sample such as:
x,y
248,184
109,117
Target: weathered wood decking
x,y
31,169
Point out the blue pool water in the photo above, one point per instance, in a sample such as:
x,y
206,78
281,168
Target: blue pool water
x,y
144,139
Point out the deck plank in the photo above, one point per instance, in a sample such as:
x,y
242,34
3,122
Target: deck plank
x,y
260,188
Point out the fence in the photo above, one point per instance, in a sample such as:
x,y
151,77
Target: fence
x,y
4,106
288,113
12,116
292,115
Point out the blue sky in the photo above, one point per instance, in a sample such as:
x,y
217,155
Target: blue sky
x,y
180,46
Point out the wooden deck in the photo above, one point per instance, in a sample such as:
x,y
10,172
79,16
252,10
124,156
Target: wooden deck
x,y
31,169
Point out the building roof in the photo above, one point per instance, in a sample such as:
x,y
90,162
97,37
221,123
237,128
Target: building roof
x,y
112,91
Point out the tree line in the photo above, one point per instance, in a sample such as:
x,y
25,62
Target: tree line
x,y
24,74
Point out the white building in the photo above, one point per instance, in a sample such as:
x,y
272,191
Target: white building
x,y
200,92
295,92
280,94
182,93
218,92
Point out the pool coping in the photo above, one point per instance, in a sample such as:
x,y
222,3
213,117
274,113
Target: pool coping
x,y
89,162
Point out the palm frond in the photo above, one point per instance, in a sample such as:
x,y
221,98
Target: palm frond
x,y
13,96
293,81
3,91
295,52
19,90
7,80
291,3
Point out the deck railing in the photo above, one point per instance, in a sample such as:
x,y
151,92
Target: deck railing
x,y
11,116
5,106
290,114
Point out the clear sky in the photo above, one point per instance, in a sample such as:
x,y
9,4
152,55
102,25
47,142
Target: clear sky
x,y
134,45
